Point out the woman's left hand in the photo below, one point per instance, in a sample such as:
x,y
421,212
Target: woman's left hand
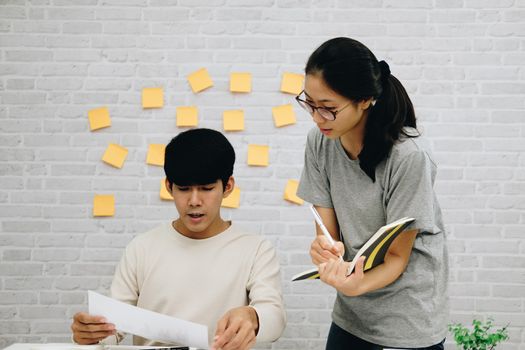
x,y
334,272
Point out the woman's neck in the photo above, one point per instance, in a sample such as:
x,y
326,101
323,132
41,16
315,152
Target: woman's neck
x,y
351,146
353,140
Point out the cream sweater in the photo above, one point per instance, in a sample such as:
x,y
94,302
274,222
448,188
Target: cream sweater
x,y
199,280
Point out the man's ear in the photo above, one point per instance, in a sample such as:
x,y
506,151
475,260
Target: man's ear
x,y
230,185
167,184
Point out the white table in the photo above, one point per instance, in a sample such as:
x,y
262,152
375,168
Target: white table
x,y
64,346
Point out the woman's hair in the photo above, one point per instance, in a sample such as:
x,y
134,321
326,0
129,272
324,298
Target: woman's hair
x,y
350,69
199,157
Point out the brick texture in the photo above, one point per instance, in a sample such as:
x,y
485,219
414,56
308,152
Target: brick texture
x,y
461,60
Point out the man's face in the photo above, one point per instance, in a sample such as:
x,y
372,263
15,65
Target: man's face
x,y
199,208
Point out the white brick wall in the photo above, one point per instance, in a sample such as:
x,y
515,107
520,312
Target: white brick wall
x,y
461,60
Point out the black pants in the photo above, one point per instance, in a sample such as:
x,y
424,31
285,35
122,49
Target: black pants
x,y
339,339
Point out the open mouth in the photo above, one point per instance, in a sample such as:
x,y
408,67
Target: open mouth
x,y
195,215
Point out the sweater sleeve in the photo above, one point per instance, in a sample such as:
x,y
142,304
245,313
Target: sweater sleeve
x,y
264,293
125,285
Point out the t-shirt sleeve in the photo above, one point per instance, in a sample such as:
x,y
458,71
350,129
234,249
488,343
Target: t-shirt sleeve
x,y
411,193
264,293
314,186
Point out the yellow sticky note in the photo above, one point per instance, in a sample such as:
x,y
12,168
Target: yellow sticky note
x,y
200,80
187,116
258,155
99,118
233,200
240,82
156,154
164,194
290,192
283,115
292,83
152,98
104,205
115,155
233,120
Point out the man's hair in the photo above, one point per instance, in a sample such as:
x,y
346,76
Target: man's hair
x,y
199,157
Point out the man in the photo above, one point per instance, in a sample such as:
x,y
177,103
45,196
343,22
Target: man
x,y
198,267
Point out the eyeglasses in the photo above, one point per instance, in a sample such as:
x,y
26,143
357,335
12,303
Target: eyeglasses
x,y
324,112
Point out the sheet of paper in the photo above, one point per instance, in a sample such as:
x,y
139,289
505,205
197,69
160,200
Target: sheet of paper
x,y
200,80
187,116
290,192
61,346
104,205
65,346
156,154
258,155
233,200
292,83
164,194
283,115
99,118
152,98
240,82
148,324
233,120
115,155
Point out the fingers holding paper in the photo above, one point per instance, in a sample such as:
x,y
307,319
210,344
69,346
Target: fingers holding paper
x,y
236,330
334,273
89,329
321,250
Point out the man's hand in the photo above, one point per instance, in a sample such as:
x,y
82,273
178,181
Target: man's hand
x,y
89,329
236,330
321,250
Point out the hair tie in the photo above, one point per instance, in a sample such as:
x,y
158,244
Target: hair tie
x,y
385,70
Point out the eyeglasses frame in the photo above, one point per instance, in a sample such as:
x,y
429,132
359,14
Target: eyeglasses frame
x,y
315,108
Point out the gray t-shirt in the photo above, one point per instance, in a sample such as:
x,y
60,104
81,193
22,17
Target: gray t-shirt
x,y
413,310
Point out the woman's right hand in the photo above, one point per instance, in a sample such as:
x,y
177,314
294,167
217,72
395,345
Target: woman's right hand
x,y
321,250
88,329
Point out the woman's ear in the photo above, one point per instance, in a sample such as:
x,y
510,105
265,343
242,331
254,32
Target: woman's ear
x,y
365,104
228,188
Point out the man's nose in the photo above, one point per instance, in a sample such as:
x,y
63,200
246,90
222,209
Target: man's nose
x,y
194,197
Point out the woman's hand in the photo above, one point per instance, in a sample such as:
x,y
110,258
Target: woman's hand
x,y
322,251
333,273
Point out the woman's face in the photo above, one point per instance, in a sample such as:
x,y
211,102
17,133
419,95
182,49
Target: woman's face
x,y
350,116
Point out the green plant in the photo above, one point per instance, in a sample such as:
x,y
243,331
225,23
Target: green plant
x,y
480,337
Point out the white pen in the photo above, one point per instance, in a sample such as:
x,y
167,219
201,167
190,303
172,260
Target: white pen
x,y
323,227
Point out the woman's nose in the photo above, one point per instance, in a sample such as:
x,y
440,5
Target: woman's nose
x,y
318,119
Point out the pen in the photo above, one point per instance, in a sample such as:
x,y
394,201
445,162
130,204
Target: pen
x,y
323,227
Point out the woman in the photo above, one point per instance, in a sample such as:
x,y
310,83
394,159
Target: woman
x,y
365,166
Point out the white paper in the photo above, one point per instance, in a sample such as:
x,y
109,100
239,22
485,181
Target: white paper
x,y
148,324
62,346
59,346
